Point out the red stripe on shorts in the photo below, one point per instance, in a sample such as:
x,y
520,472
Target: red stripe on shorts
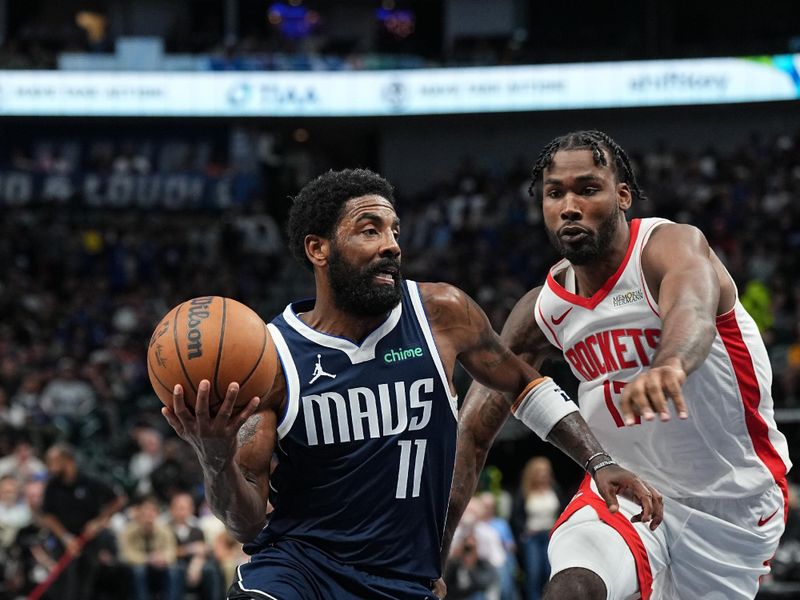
x,y
587,497
750,391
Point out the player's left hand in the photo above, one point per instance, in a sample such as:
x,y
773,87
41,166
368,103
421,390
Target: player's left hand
x,y
613,480
439,588
647,394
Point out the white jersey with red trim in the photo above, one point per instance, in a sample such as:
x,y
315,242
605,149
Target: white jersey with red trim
x,y
729,446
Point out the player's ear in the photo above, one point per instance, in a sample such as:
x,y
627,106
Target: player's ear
x,y
624,196
317,250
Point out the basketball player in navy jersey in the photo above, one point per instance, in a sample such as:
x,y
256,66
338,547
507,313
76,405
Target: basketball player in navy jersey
x,y
674,381
362,416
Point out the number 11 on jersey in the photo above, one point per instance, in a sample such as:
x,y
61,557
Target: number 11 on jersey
x,y
405,463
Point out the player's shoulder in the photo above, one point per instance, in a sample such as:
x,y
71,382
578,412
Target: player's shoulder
x,y
668,233
522,316
522,333
443,296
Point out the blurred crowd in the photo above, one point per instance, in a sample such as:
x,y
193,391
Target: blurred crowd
x,y
82,289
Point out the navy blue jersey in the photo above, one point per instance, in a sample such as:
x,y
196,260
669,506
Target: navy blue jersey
x,y
366,446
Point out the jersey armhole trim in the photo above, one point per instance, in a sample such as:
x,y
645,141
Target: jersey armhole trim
x,y
422,318
648,294
292,382
549,332
249,591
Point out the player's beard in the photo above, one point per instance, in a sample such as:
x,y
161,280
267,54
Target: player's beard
x,y
594,246
355,290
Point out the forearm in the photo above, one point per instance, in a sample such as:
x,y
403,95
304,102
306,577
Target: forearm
x,y
470,459
573,437
235,501
686,336
482,416
53,524
110,509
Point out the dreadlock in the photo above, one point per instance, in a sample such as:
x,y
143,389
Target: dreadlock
x,y
595,141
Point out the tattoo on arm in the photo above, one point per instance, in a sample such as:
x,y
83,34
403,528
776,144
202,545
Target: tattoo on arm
x,y
493,413
493,346
248,430
483,414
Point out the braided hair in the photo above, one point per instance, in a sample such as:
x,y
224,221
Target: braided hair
x,y
595,141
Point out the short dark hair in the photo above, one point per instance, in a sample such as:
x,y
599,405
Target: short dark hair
x,y
64,450
317,209
595,141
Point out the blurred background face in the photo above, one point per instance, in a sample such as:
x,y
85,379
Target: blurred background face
x,y
150,441
34,494
147,514
541,472
56,463
9,491
181,507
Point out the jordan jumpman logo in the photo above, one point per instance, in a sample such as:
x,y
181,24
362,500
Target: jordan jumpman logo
x,y
319,372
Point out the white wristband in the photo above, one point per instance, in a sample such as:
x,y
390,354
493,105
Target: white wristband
x,y
542,405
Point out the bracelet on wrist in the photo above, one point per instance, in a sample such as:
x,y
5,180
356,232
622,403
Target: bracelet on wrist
x,y
592,457
601,465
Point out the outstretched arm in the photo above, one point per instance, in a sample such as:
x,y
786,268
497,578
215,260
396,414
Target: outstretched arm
x,y
680,271
502,379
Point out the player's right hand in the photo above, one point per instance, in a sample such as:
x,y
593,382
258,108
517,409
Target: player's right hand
x,y
212,438
613,480
647,395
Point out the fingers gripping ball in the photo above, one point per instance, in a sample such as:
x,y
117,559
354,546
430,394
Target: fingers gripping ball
x,y
212,338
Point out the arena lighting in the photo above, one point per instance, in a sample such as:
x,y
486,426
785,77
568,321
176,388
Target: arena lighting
x,y
401,92
294,20
398,22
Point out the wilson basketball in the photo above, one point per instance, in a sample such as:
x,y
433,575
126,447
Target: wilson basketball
x,y
212,338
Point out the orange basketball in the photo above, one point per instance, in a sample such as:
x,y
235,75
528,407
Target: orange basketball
x,y
212,338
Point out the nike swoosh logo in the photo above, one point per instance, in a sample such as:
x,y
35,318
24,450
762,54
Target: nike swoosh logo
x,y
561,318
764,520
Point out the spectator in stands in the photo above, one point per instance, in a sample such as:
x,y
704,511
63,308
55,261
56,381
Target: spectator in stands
x,y
147,459
22,463
467,575
149,548
67,399
178,472
33,552
508,569
14,513
537,508
197,570
76,509
475,524
12,416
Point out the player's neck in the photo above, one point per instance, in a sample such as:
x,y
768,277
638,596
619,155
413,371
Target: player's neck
x,y
590,277
326,317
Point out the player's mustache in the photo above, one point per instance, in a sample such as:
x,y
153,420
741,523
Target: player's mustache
x,y
391,265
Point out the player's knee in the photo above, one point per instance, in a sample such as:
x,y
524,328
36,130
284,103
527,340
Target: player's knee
x,y
575,583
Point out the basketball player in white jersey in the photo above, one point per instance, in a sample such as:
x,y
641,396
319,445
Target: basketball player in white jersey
x,y
674,382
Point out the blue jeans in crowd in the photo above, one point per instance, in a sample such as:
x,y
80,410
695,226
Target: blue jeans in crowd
x,y
536,564
162,581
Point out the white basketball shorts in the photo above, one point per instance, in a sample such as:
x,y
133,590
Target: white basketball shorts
x,y
705,548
